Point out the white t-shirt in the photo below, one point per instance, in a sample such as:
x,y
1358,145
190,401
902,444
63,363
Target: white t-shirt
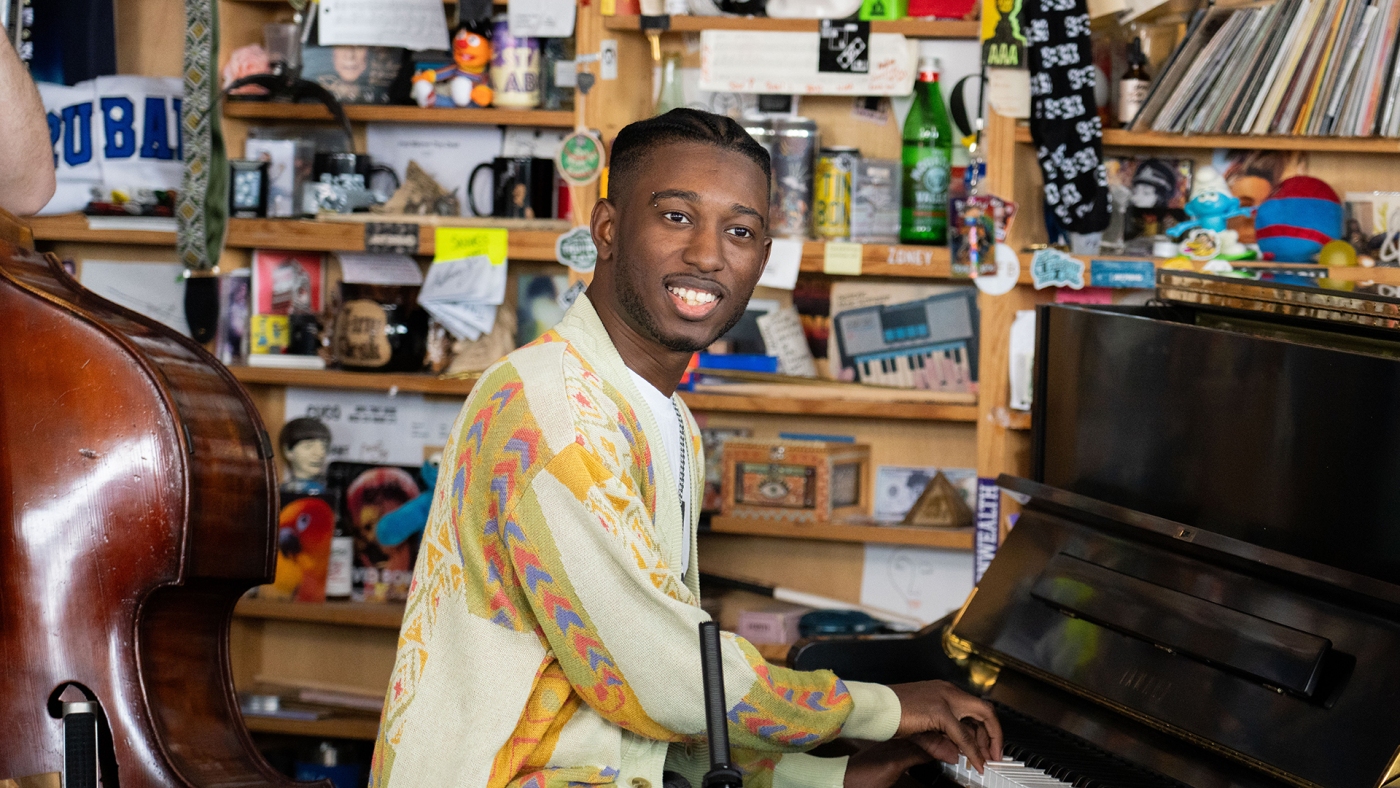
x,y
666,417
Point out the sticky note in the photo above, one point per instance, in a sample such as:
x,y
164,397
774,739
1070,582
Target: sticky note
x,y
456,243
842,258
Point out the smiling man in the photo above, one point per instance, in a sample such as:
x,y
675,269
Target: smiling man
x,y
550,637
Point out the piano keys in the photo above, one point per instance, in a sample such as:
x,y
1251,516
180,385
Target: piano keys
x,y
927,344
1202,589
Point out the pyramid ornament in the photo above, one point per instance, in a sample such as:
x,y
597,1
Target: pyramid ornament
x,y
940,505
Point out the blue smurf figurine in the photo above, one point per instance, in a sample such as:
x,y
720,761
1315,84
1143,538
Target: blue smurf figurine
x,y
1206,234
400,525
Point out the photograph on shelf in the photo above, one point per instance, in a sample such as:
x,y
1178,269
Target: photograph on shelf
x,y
364,493
1155,190
358,75
904,336
235,307
288,282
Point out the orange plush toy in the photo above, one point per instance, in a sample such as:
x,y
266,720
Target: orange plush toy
x,y
467,84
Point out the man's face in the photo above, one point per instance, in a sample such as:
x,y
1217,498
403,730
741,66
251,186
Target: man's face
x,y
307,458
686,243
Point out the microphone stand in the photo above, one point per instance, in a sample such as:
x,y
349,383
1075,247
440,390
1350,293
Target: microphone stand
x,y
722,773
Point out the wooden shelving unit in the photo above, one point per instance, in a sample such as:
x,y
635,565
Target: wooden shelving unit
x,y
947,539
361,614
913,28
394,113
1151,139
347,726
296,234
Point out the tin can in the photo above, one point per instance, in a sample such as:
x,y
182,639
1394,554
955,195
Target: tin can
x,y
831,208
515,68
795,145
761,129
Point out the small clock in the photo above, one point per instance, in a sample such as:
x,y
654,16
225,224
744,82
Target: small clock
x,y
247,194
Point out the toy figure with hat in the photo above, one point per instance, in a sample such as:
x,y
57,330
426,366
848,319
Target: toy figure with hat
x,y
467,82
1205,236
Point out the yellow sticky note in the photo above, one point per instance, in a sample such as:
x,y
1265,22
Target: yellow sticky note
x,y
842,258
456,243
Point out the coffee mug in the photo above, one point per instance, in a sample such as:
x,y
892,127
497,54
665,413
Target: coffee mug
x,y
521,188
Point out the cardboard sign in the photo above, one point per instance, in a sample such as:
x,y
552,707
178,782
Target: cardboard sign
x,y
391,238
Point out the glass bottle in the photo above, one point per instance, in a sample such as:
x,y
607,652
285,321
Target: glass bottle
x,y
1132,88
928,161
672,94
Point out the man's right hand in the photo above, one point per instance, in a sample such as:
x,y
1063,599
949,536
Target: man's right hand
x,y
939,706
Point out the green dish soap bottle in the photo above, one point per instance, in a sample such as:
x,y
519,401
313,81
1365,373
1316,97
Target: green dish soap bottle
x,y
928,161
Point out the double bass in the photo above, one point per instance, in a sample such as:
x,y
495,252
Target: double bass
x,y
139,503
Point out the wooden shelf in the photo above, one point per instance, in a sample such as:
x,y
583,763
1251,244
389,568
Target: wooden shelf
x,y
947,539
295,234
913,28
805,406
933,262
1151,139
395,113
357,726
1018,420
344,379
360,614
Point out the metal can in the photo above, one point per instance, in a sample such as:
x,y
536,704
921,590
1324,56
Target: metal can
x,y
795,145
761,129
831,208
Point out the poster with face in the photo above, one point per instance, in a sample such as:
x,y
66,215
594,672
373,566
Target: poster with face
x,y
358,75
1156,190
364,494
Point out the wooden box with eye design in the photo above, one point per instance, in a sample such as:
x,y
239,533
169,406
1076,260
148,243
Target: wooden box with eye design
x,y
796,481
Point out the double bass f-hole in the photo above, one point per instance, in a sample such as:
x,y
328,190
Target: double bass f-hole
x,y
87,738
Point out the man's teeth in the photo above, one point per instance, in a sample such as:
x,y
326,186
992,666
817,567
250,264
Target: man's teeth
x,y
693,297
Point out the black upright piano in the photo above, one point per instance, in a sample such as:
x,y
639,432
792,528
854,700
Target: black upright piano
x,y
1203,586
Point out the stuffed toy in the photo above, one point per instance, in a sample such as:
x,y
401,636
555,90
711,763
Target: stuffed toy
x,y
398,526
466,80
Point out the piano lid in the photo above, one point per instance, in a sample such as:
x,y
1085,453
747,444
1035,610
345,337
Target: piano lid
x,y
1287,666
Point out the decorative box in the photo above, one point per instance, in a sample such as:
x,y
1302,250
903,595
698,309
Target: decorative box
x,y
798,481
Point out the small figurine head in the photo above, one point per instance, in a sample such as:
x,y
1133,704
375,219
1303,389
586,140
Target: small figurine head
x,y
1212,207
305,443
471,51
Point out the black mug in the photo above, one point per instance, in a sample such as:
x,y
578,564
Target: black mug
x,y
380,179
521,188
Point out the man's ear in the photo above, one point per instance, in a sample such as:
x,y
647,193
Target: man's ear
x,y
767,251
603,226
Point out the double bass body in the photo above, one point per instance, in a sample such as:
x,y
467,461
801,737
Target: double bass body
x,y
138,493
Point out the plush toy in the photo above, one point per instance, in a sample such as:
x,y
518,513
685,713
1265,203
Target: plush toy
x,y
466,80
397,526
1294,222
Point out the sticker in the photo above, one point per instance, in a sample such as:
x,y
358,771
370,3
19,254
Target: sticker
x,y
1053,268
580,158
842,258
843,47
607,59
391,238
1007,274
1139,274
457,243
988,526
1201,244
576,250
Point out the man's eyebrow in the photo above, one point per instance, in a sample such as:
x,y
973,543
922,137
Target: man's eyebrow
x,y
681,194
747,211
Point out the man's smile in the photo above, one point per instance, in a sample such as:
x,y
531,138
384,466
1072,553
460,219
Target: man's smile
x,y
694,298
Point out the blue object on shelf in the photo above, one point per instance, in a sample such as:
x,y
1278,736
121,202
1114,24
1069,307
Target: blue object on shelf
x,y
837,622
814,436
343,776
739,362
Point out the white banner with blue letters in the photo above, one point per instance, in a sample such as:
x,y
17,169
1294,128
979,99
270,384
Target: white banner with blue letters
x,y
113,133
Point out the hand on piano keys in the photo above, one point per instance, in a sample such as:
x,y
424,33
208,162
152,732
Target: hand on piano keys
x,y
1006,773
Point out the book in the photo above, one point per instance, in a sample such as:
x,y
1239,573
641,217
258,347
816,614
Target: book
x,y
287,282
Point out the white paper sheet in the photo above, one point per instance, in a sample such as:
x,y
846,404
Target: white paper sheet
x,y
541,18
379,269
1021,357
784,261
742,61
156,290
412,24
541,143
897,487
371,426
446,152
465,321
916,581
783,337
472,280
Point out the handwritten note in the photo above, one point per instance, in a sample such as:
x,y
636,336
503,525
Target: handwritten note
x,y
783,337
541,18
411,24
473,280
456,243
741,61
842,258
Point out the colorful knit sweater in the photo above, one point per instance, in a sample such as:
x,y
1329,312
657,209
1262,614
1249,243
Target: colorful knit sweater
x,y
550,638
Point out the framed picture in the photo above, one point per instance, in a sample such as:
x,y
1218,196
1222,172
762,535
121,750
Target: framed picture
x,y
358,75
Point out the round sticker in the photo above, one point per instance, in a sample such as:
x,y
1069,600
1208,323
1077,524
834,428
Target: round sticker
x,y
576,250
580,158
1008,272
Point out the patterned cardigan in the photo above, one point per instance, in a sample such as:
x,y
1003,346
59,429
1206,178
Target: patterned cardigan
x,y
550,638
